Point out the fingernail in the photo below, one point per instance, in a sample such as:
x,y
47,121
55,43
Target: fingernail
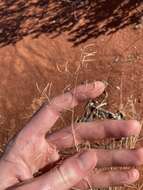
x,y
134,174
131,176
87,160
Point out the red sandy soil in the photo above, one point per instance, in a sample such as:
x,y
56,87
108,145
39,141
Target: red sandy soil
x,y
116,58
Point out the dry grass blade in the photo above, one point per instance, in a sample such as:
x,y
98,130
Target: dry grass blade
x,y
96,109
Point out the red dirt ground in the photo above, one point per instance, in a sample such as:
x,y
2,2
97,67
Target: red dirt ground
x,y
116,58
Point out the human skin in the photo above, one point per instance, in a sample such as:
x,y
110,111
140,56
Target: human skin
x,y
32,149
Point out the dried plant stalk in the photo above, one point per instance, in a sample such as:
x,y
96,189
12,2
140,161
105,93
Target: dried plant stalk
x,y
96,109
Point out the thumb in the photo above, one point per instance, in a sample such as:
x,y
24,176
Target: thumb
x,y
71,172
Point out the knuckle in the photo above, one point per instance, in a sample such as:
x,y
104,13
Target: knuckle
x,y
69,172
61,176
118,177
73,132
67,98
111,179
50,109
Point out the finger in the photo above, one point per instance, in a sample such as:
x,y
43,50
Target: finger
x,y
94,130
102,179
108,158
71,172
49,114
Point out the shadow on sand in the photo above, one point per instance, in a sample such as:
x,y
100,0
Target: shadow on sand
x,y
81,19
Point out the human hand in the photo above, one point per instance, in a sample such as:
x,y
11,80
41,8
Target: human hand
x,y
32,149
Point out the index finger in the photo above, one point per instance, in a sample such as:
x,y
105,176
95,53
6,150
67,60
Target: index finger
x,y
49,113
